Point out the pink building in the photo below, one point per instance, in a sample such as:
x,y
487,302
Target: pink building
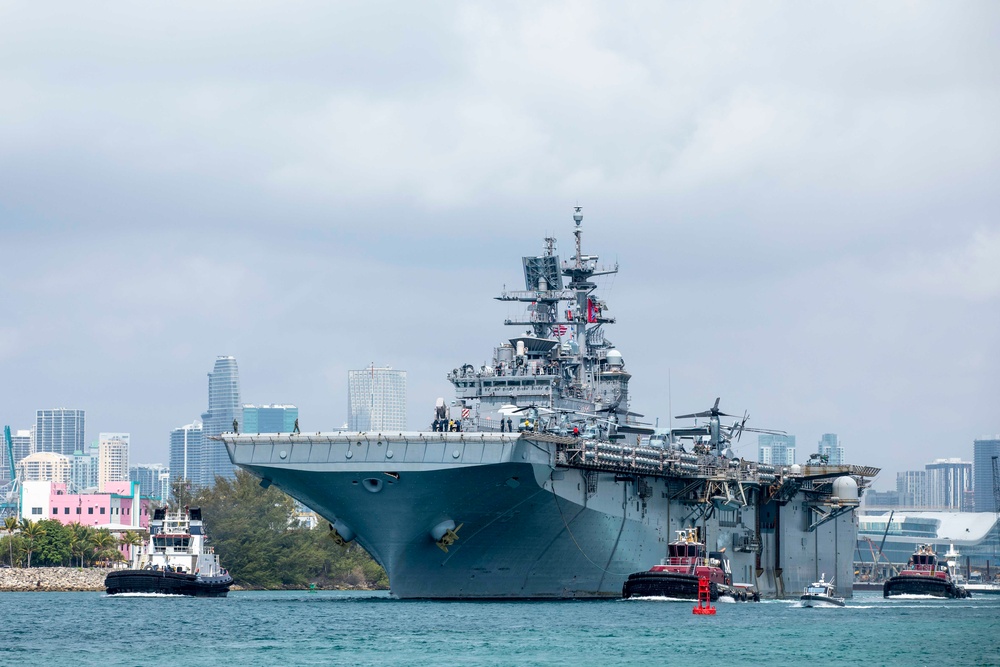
x,y
118,508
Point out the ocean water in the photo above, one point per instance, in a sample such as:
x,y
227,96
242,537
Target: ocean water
x,y
355,628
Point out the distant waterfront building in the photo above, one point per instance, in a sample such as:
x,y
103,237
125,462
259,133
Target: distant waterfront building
x,y
948,481
269,418
223,408
776,450
150,477
60,430
85,470
185,454
912,488
829,446
120,508
44,467
983,451
881,498
973,534
376,399
113,457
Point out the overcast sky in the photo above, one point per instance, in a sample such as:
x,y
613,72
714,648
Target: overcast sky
x,y
802,197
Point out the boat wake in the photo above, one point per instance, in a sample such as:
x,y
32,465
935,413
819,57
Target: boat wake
x,y
142,595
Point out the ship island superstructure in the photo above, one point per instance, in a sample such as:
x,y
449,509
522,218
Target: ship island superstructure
x,y
538,482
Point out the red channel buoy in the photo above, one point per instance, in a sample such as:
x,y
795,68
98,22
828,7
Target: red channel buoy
x,y
704,598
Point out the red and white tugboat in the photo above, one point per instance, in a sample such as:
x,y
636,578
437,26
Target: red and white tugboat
x,y
924,576
175,560
678,574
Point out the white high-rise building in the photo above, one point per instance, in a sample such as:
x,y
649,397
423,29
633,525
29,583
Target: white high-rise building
x,y
185,454
948,481
776,450
44,467
376,399
829,446
60,430
113,455
153,479
912,488
85,469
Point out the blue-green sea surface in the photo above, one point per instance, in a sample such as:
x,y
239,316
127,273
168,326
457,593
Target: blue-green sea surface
x,y
354,628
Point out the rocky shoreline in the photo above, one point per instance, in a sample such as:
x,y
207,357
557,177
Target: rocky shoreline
x,y
54,579
48,579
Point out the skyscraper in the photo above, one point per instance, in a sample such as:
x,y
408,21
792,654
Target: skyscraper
x,y
269,418
776,450
948,480
983,451
223,408
113,456
912,488
85,469
376,400
185,454
44,467
148,477
60,430
829,446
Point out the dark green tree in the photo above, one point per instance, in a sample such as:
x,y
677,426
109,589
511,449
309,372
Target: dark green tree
x,y
258,540
53,546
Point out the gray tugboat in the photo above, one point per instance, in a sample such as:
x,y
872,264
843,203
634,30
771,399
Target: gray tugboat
x,y
175,560
821,594
537,481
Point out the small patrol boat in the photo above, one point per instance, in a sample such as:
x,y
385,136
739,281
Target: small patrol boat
x,y
821,593
678,574
174,561
924,576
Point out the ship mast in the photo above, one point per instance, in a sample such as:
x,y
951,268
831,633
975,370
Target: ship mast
x,y
584,318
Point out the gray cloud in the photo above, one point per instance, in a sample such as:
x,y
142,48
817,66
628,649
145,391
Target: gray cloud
x,y
802,199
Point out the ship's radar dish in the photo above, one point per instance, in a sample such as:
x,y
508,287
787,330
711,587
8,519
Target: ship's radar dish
x,y
577,215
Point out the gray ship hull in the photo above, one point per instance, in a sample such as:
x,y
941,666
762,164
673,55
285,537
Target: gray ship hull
x,y
527,526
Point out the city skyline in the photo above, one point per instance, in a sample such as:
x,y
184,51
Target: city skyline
x,y
805,220
191,445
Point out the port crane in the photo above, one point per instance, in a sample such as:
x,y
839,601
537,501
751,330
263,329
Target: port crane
x,y
10,497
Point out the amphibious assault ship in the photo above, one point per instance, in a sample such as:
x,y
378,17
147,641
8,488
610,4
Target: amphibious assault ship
x,y
538,482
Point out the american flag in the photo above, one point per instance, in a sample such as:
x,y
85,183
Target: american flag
x,y
465,413
559,329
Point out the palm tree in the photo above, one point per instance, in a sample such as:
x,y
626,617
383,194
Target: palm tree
x,y
130,539
77,541
10,524
103,541
31,532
